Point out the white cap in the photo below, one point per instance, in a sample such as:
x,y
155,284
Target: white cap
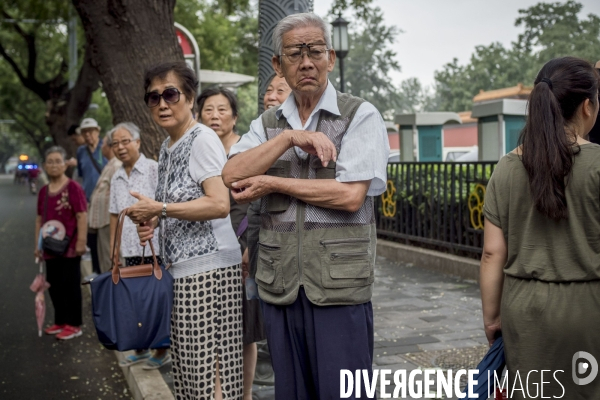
x,y
87,123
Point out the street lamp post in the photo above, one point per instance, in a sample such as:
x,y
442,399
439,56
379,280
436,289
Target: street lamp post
x,y
340,44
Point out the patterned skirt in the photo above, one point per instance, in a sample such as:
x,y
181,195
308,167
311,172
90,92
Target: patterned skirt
x,y
206,325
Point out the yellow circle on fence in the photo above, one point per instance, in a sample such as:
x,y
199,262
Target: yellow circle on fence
x,y
476,206
388,201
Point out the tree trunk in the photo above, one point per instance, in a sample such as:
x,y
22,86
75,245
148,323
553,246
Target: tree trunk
x,y
67,107
128,36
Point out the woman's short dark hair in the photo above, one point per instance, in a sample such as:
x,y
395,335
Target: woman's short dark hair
x,y
55,149
187,77
206,93
548,149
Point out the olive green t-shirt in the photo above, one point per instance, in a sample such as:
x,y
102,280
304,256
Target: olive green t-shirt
x,y
539,247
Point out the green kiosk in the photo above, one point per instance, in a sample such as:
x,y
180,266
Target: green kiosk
x,y
421,134
499,124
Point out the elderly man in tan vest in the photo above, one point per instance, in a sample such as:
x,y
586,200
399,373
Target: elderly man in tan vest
x,y
316,161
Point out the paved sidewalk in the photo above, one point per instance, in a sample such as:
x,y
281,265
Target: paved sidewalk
x,y
423,320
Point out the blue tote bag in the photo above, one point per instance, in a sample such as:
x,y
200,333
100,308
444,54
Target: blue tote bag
x,y
132,305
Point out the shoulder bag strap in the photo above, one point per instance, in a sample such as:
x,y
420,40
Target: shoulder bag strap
x,y
94,162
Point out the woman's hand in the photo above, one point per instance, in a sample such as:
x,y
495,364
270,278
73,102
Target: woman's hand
x,y
493,330
144,210
80,247
145,230
38,254
245,266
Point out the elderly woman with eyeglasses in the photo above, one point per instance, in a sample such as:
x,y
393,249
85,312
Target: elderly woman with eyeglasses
x,y
192,206
137,174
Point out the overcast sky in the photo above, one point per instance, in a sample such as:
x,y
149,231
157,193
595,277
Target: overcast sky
x,y
436,31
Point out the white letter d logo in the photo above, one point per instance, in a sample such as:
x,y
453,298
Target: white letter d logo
x,y
583,367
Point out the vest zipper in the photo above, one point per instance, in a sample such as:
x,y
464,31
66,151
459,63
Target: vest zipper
x,y
269,246
300,216
335,256
267,260
344,241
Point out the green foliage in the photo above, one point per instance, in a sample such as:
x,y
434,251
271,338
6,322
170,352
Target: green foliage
x,y
226,31
362,7
550,30
24,107
33,34
247,96
369,61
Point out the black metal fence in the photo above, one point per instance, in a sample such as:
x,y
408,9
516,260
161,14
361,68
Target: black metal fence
x,y
436,205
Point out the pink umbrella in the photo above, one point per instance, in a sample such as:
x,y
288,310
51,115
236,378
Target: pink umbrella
x,y
38,286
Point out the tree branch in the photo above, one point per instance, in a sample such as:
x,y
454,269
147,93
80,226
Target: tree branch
x,y
28,81
35,139
26,118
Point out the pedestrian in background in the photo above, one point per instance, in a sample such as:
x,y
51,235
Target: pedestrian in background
x,y
62,207
218,109
276,93
98,215
90,163
136,174
540,269
196,238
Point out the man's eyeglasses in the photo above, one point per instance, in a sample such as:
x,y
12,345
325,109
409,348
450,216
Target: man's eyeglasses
x,y
123,142
314,52
170,95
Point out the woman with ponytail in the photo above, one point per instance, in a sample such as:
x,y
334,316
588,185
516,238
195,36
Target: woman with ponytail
x,y
540,268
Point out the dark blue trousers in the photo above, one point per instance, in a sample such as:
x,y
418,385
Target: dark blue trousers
x,y
310,344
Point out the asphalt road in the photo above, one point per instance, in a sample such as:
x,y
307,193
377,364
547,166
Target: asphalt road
x,y
42,368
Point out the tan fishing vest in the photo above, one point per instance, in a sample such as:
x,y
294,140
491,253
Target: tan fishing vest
x,y
329,252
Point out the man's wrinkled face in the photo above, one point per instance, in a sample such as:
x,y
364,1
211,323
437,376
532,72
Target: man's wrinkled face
x,y
308,74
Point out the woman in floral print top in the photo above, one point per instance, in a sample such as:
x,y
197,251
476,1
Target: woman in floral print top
x,y
62,205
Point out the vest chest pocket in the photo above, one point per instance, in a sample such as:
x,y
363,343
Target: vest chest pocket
x,y
327,172
278,202
346,263
269,275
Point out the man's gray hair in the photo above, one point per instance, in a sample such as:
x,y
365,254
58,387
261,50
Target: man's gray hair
x,y
55,149
302,20
128,126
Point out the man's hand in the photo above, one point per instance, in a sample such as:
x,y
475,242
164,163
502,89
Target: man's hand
x,y
250,189
71,162
315,143
144,210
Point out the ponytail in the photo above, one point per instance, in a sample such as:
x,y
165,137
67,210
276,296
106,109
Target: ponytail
x,y
548,149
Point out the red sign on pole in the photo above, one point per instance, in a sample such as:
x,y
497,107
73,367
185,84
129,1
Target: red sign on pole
x,y
190,49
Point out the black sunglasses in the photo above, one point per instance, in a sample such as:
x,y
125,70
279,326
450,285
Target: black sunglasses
x,y
170,95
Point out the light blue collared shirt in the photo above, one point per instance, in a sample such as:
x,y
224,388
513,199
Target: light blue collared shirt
x,y
364,150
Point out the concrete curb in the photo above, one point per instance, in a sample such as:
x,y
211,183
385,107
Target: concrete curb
x,y
143,385
432,260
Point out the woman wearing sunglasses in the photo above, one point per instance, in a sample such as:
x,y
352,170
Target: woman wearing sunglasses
x,y
196,237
